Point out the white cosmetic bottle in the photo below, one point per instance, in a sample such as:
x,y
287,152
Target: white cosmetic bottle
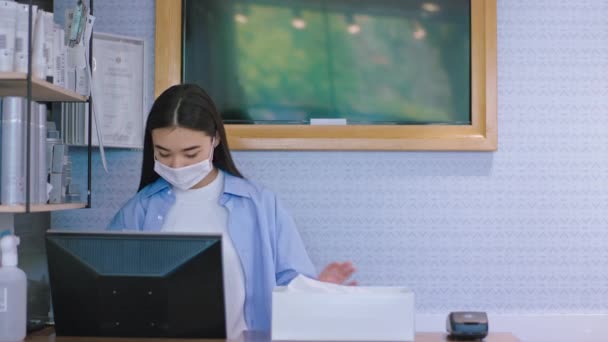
x,y
13,293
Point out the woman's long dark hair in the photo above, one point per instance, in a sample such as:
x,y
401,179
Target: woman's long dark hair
x,y
186,106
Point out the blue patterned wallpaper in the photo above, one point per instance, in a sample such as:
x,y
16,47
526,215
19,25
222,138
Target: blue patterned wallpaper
x,y
521,230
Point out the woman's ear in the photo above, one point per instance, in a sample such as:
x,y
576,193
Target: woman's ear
x,y
216,141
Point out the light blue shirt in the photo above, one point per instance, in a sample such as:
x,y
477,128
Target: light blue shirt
x,y
263,233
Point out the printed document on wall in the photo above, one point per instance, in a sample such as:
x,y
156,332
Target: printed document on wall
x,y
118,76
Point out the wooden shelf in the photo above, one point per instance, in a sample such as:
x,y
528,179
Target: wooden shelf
x,y
37,208
15,84
12,208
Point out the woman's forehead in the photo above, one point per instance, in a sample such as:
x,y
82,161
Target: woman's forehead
x,y
179,135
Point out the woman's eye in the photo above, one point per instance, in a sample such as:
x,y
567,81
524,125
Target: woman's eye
x,y
191,156
163,155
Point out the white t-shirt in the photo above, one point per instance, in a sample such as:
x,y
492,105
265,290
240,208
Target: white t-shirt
x,y
199,211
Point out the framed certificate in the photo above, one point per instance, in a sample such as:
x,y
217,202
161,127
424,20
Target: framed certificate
x,y
118,90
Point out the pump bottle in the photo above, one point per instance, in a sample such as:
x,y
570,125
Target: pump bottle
x,y
13,293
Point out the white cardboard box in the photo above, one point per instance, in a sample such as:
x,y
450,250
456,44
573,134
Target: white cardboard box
x,y
370,314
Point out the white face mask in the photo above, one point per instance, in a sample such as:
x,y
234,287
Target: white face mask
x,y
186,177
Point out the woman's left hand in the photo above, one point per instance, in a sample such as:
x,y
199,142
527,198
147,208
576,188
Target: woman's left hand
x,y
338,273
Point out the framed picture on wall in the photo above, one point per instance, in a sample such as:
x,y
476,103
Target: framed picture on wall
x,y
119,79
402,75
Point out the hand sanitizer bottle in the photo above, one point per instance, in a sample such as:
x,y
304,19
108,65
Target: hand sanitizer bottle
x,y
13,297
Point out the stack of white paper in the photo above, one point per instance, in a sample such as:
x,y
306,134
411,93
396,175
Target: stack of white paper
x,y
309,310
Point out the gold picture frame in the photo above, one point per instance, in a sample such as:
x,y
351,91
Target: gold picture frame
x,y
480,135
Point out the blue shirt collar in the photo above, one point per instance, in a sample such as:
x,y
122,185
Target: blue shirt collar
x,y
232,185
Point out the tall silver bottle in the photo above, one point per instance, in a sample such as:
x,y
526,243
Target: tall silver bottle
x,y
43,175
13,151
34,173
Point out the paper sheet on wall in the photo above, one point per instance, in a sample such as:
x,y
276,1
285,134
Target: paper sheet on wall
x,y
118,79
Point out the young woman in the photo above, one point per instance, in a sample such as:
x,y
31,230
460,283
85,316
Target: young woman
x,y
189,182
